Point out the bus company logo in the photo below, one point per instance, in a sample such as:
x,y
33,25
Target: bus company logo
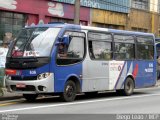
x,y
116,66
32,72
119,68
150,68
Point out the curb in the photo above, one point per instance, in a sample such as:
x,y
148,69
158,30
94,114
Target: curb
x,y
3,98
9,96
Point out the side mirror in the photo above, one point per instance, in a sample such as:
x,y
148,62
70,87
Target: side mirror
x,y
64,40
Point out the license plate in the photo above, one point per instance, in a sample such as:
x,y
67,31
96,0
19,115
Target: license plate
x,y
20,85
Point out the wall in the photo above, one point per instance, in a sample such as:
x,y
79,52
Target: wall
x,y
111,5
108,17
155,24
43,8
154,5
139,19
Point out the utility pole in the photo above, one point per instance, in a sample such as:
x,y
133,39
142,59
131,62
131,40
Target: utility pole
x,y
77,11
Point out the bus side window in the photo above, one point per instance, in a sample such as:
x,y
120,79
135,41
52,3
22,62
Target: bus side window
x,y
124,47
100,47
74,51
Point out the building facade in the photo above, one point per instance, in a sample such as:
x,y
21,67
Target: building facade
x,y
15,14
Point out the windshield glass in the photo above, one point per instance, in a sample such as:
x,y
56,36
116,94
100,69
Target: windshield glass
x,y
34,42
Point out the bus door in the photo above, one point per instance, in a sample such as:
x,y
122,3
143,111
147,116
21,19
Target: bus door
x,y
96,64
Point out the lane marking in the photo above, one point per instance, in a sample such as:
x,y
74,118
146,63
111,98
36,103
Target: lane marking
x,y
76,103
5,104
8,101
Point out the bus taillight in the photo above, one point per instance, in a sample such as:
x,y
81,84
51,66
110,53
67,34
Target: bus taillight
x,y
10,72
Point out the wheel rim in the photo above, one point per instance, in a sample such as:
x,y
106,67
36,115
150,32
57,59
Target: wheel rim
x,y
69,91
129,87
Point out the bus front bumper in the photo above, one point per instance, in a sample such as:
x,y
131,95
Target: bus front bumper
x,y
45,85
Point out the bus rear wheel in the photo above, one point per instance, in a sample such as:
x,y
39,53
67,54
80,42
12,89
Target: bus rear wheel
x,y
128,87
69,93
30,97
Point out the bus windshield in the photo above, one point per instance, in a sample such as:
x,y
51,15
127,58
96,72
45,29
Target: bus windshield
x,y
34,42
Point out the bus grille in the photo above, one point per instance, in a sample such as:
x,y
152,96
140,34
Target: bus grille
x,y
24,78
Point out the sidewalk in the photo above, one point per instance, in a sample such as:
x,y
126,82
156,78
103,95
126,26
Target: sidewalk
x,y
158,83
9,96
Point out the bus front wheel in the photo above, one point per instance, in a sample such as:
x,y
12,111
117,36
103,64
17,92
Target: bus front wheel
x,y
30,97
69,93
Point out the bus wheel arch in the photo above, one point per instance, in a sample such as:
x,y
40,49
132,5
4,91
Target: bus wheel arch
x,y
129,85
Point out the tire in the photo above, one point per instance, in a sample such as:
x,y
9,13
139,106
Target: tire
x,y
128,87
30,97
69,93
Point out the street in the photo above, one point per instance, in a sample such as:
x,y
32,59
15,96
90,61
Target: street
x,y
143,101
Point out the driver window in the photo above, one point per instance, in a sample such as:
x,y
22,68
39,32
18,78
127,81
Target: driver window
x,y
74,51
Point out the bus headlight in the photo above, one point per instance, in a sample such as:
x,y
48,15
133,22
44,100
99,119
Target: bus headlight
x,y
42,76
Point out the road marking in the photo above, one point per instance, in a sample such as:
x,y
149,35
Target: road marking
x,y
76,103
10,103
7,101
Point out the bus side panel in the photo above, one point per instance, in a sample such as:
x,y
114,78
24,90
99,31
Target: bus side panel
x,y
98,75
117,73
62,74
143,73
146,73
95,75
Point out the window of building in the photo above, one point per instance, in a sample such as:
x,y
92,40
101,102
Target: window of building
x,y
62,20
145,48
100,46
120,27
124,47
139,29
158,6
140,4
74,51
10,22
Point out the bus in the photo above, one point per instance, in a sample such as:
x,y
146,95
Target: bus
x,y
95,59
157,40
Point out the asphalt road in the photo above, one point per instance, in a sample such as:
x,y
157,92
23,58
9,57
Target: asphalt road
x,y
143,101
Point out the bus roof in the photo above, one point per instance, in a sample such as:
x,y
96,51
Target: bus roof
x,y
116,31
79,27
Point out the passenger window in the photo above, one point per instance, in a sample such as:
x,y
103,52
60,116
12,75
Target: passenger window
x,y
100,47
145,48
124,47
100,50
